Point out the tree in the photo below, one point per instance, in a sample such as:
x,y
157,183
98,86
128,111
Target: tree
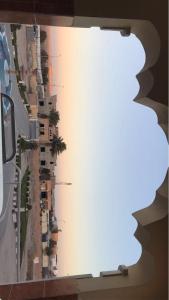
x,y
44,57
29,206
22,87
43,36
45,75
14,27
48,251
52,243
32,145
25,145
54,117
44,53
18,26
58,145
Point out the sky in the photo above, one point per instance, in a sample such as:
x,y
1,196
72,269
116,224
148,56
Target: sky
x,y
116,153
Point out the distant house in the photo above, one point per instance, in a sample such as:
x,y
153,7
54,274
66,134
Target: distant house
x,y
46,190
46,130
45,237
53,264
45,105
44,222
30,34
54,251
54,236
46,133
45,261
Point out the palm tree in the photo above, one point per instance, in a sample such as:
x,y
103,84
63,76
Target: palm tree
x,y
54,117
48,251
58,145
29,206
45,72
44,57
44,53
28,144
43,36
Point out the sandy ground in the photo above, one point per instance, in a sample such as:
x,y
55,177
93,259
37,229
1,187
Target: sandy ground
x,y
32,249
8,261
36,227
33,243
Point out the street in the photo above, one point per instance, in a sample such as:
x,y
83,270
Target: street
x,y
8,236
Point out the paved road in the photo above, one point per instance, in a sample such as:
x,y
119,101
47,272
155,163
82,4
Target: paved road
x,y
21,123
8,271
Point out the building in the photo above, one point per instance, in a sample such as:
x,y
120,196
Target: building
x,y
45,261
40,91
46,194
148,278
44,227
46,130
55,236
46,133
47,104
53,265
47,160
30,33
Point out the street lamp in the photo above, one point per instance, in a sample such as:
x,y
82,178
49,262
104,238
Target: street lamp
x,y
50,56
51,84
63,183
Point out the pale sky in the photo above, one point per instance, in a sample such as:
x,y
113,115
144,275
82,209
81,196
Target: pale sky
x,y
116,153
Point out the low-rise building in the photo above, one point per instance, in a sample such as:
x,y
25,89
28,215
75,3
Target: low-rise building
x,y
40,90
53,264
47,104
44,221
47,131
45,261
47,160
46,194
54,236
44,227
